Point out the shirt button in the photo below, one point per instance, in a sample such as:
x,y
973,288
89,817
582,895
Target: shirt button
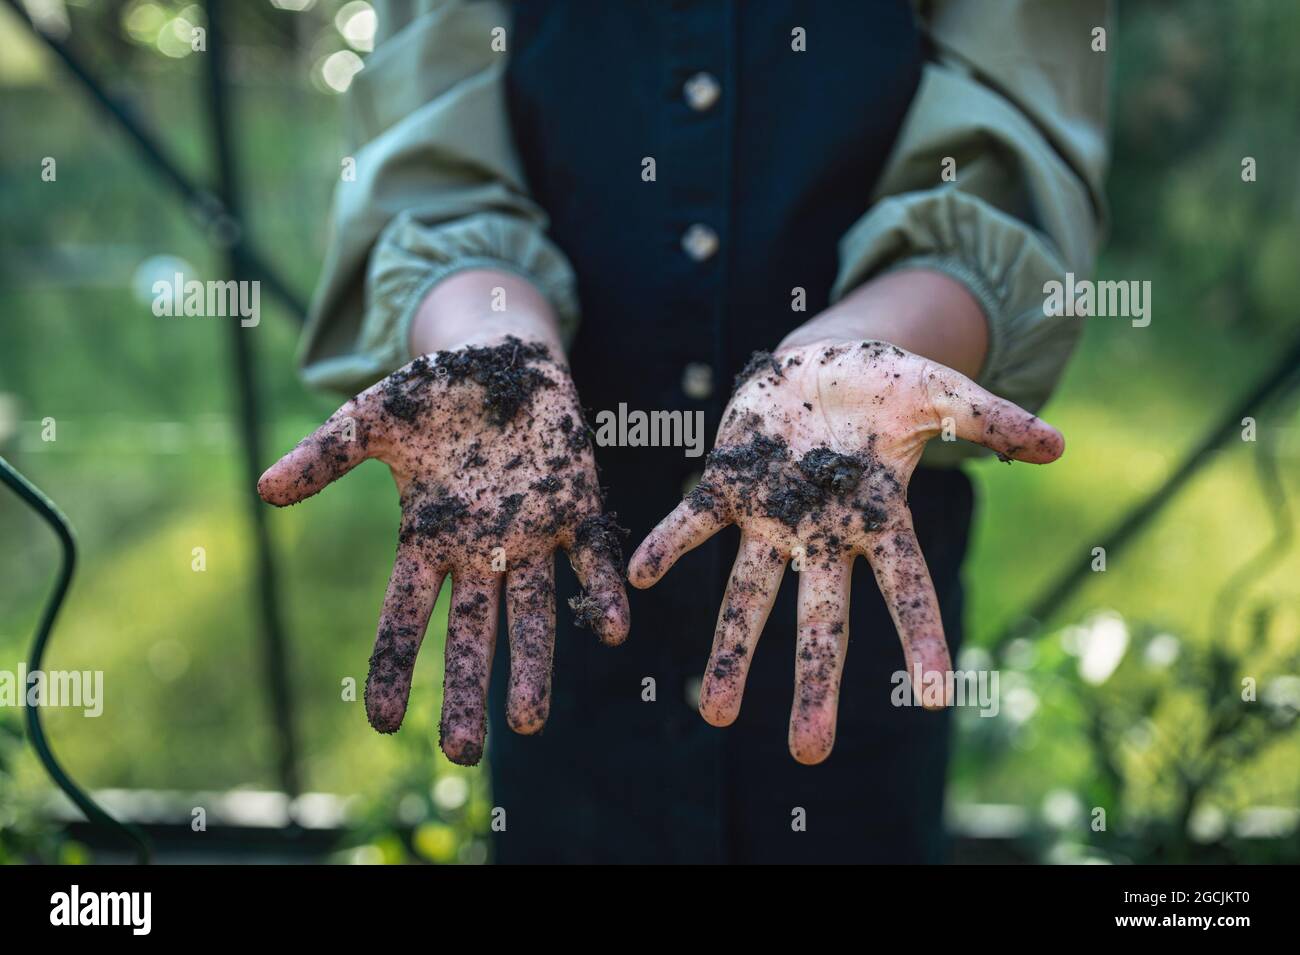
x,y
697,381
702,91
700,242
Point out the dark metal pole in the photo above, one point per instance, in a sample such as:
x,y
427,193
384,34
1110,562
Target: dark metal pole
x,y
275,652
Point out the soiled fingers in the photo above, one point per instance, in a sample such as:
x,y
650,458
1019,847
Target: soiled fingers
x,y
596,554
984,418
819,658
690,524
904,580
530,614
412,592
471,640
751,590
321,458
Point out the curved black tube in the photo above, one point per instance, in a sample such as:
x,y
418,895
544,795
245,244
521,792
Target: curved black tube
x,y
43,506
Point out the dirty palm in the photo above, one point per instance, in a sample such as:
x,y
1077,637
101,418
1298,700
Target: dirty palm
x,y
494,470
493,460
813,460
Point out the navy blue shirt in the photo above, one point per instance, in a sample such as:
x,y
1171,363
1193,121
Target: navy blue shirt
x,y
763,156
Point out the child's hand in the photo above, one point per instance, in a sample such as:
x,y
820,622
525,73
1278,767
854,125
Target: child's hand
x,y
813,461
495,470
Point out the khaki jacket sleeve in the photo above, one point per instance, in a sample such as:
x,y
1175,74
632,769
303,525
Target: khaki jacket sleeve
x,y
438,188
1016,96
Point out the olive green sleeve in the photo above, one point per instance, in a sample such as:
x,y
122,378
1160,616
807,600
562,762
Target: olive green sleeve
x,y
433,186
996,178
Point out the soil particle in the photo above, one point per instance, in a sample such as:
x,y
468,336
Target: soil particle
x,y
790,494
503,371
837,473
726,666
874,517
759,361
406,391
392,660
403,404
394,654
548,485
879,349
601,535
749,460
791,501
761,477
507,510
587,612
432,517
472,608
704,498
576,435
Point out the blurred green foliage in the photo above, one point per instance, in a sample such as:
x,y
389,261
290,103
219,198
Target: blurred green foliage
x,y
145,463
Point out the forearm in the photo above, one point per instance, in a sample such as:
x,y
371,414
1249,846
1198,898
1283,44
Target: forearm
x,y
482,306
925,312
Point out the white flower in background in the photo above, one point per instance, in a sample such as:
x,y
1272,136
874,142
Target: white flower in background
x,y
1162,650
1099,643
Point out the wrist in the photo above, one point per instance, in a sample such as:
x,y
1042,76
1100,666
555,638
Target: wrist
x,y
483,307
925,312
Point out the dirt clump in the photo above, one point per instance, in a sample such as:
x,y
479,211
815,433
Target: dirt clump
x,y
759,361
